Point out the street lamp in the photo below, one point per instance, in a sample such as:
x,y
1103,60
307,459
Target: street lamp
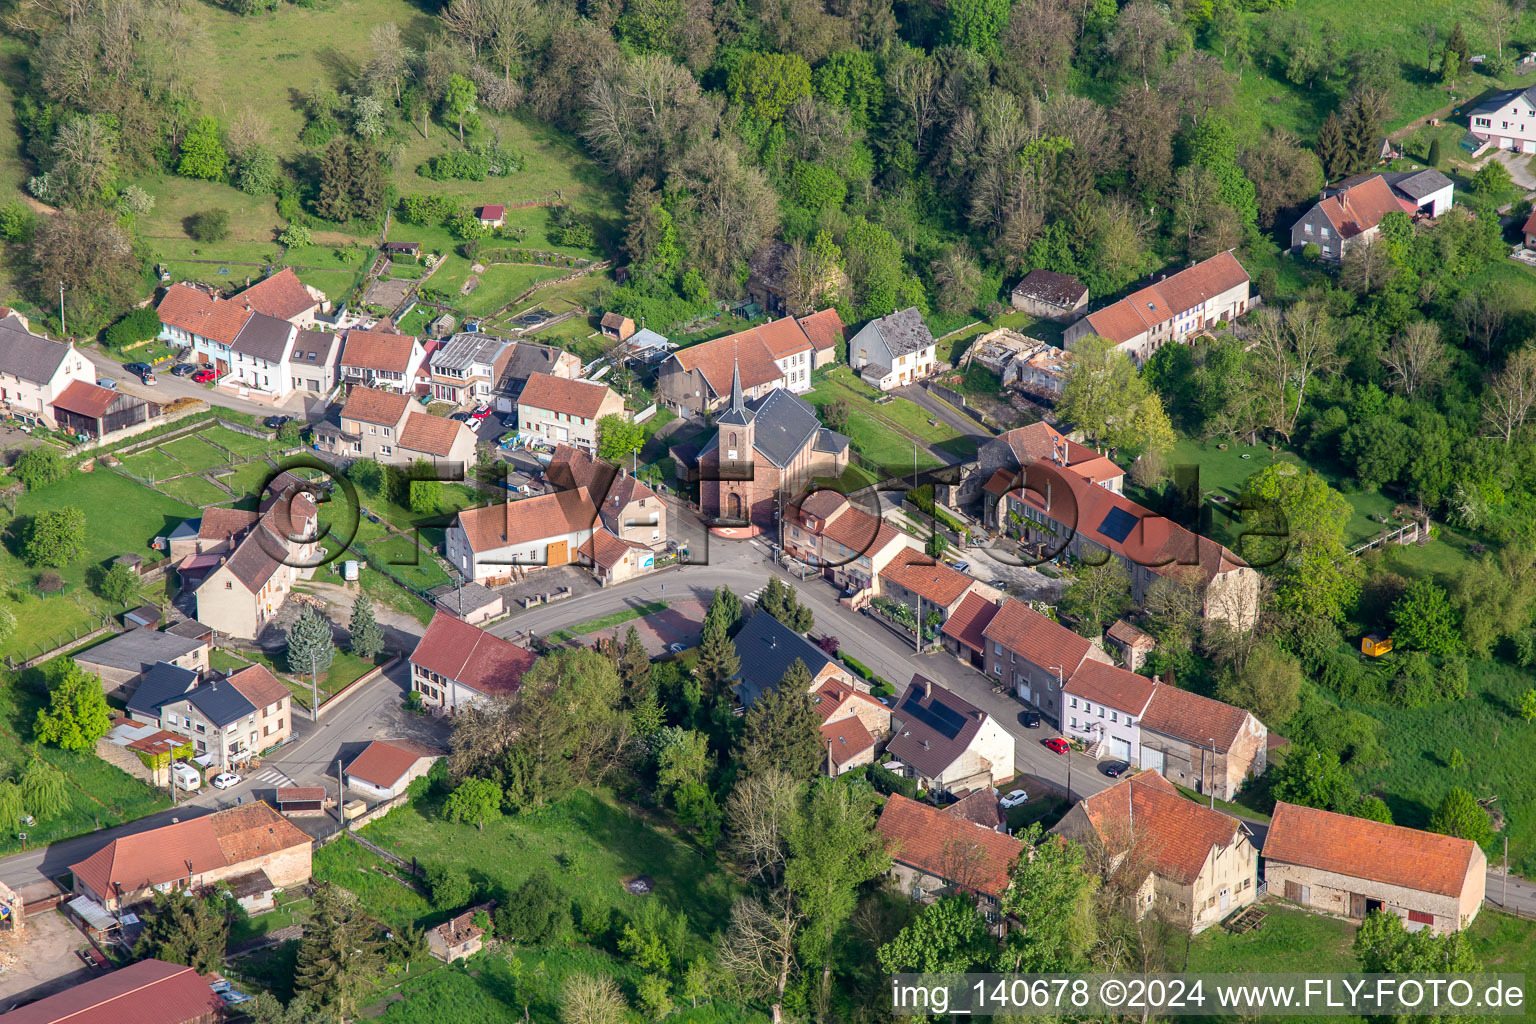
x,y
1068,755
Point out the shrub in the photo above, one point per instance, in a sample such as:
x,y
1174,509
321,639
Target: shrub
x,y
136,326
536,914
38,467
417,208
888,782
450,887
209,225
459,166
294,234
857,667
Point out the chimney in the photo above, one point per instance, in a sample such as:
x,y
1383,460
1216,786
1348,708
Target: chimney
x,y
925,744
1156,680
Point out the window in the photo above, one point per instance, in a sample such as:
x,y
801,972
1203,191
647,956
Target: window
x,y
1326,233
228,585
1074,723
1101,712
997,648
1074,704
1114,717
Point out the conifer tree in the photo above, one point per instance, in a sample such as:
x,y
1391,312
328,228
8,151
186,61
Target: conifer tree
x,y
1331,148
339,958
635,668
783,731
367,637
310,648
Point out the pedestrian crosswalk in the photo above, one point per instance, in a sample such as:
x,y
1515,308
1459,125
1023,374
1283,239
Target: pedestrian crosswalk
x,y
752,597
271,777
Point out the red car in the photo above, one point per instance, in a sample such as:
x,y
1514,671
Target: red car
x,y
1057,744
481,413
203,377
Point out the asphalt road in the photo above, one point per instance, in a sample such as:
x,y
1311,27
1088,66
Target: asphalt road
x,y
168,387
944,412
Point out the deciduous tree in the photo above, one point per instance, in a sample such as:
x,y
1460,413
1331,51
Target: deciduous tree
x,y
1416,356
185,929
55,538
77,714
1268,684
1460,815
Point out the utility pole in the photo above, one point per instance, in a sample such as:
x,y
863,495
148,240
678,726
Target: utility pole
x,y
314,689
341,813
1504,899
917,643
62,329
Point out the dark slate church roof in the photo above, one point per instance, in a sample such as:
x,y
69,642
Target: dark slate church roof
x,y
767,648
782,425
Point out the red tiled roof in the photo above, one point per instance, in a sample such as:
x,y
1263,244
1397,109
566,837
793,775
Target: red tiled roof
x,y
859,531
434,435
383,762
846,739
1360,207
1036,638
300,794
85,399
197,845
375,405
1129,635
258,686
968,623
1530,224
194,310
824,327
518,522
146,992
1391,854
377,350
492,212
1193,718
1140,311
1001,481
607,550
282,295
716,359
833,696
557,394
1111,686
223,523
1172,837
926,838
922,574
471,656
784,337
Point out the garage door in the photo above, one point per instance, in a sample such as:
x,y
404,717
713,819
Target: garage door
x,y
557,553
1151,760
1120,748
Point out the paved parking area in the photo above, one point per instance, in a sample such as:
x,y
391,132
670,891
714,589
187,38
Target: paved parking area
x,y
681,623
1023,581
45,960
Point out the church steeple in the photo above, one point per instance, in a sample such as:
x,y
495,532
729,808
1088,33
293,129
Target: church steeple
x,y
736,402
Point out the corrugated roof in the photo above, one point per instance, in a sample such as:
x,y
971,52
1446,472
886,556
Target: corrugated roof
x,y
138,650
943,845
1358,848
84,399
145,992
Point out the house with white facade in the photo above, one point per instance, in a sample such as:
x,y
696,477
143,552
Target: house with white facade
x,y
1171,309
946,742
199,319
260,356
312,361
466,368
1506,120
893,350
381,359
1350,213
561,411
496,543
35,371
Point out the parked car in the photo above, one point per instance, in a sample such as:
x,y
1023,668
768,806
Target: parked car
x,y
1115,769
1029,719
106,382
1055,743
138,369
962,567
273,422
677,648
204,376
224,780
461,417
1015,798
184,369
481,413
998,584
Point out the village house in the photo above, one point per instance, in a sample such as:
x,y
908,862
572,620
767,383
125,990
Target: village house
x,y
145,992
469,602
613,559
260,356
497,542
227,720
35,371
1028,653
846,544
1072,492
768,648
1348,867
1045,293
947,743
527,361
1104,706
934,854
924,584
198,319
1506,120
380,359
492,216
1349,213
408,250
384,426
778,354
384,768
456,664
1189,864
1200,743
152,750
853,725
981,807
312,363
459,936
250,842
628,509
1171,309
239,595
761,453
893,350
466,368
616,326
122,661
964,631
561,411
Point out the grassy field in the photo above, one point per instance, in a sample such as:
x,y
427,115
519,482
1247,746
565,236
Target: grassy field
x,y
99,795
195,453
153,464
194,490
247,479
880,433
607,621
121,515
233,440
497,286
350,866
407,560
1291,940
344,669
588,844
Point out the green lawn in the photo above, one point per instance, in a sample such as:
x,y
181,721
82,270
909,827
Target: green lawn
x,y
876,431
587,844
335,284
241,444
194,453
1291,940
153,464
406,559
247,479
100,795
345,667
226,661
607,621
360,871
121,515
353,258
194,490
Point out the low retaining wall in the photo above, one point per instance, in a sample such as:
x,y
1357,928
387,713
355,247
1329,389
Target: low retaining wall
x,y
334,700
374,814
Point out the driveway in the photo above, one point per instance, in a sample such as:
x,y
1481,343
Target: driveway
x,y
942,411
167,388
1519,165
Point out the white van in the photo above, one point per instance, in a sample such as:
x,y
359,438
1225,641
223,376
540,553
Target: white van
x,y
187,777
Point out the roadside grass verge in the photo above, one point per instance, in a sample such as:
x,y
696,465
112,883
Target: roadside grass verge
x,y
606,621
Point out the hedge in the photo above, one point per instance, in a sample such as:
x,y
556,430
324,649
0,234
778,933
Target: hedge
x,y
888,782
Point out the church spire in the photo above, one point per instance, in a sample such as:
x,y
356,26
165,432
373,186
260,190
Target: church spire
x,y
736,403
